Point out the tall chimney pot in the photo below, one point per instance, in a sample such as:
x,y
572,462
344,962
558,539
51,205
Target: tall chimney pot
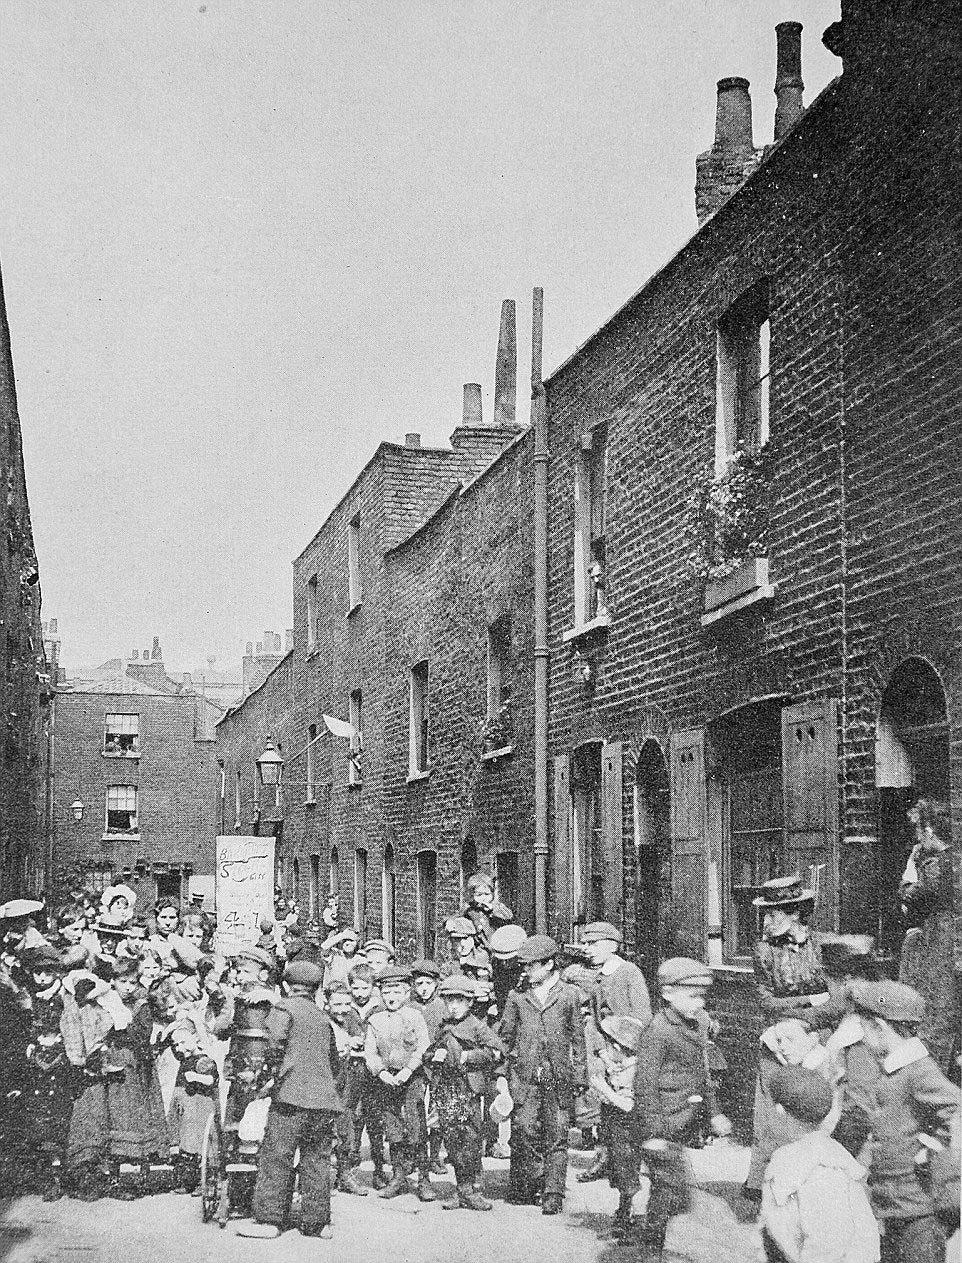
x,y
506,367
471,413
733,116
155,651
412,439
789,105
146,655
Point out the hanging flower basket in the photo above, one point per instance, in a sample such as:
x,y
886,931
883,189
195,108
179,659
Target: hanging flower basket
x,y
730,514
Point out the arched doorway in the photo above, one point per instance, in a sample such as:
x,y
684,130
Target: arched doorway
x,y
652,827
911,762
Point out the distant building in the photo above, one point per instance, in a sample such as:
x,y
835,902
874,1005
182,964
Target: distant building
x,y
136,748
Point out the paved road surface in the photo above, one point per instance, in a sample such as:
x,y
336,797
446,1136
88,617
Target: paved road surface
x,y
167,1228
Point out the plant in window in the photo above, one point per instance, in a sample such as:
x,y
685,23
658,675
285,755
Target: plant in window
x,y
730,513
498,729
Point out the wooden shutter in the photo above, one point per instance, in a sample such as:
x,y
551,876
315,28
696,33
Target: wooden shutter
x,y
562,846
613,876
810,795
689,847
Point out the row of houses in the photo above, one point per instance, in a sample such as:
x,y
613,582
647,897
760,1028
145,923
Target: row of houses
x,y
699,624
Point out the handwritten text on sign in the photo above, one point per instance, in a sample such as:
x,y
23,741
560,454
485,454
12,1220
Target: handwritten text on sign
x,y
244,885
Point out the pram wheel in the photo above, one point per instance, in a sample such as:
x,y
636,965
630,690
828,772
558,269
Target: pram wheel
x,y
213,1180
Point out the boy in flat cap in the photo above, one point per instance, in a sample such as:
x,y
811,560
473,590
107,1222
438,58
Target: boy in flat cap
x,y
461,1057
615,1087
366,1000
304,1108
915,1109
397,1037
462,939
673,1087
814,1201
543,1033
425,976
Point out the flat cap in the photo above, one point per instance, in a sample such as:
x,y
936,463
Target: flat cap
x,y
19,908
303,973
459,927
598,930
393,973
505,941
802,1093
425,969
892,1001
378,945
537,947
682,970
256,954
626,1031
459,985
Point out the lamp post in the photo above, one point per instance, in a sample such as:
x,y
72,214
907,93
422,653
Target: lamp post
x,y
270,767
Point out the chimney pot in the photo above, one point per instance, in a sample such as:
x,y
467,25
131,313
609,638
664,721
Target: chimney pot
x,y
471,413
506,367
789,87
155,653
249,649
53,627
146,655
412,439
733,116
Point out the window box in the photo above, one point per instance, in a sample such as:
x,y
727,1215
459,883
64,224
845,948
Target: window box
x,y
597,626
746,585
133,836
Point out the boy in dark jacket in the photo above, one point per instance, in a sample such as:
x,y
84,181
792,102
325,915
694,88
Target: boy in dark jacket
x,y
672,1090
349,1039
304,1108
543,1033
914,1109
463,1054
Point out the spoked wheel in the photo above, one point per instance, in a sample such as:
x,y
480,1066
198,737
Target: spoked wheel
x,y
210,1170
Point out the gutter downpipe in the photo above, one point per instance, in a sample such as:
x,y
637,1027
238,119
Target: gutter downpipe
x,y
539,423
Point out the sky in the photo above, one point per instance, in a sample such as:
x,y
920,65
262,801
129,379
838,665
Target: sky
x,y
244,241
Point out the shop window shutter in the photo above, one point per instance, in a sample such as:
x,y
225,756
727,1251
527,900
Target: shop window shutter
x,y
611,783
689,845
562,846
810,795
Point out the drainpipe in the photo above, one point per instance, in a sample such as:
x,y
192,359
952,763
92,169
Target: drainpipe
x,y
539,421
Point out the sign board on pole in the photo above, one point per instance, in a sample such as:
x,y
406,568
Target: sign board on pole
x,y
244,887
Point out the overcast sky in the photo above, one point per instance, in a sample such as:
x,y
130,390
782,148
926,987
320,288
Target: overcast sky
x,y
242,241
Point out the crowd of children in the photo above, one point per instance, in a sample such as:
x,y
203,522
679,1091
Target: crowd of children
x,y
118,1034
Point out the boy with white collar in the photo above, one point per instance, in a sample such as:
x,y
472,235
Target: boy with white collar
x,y
915,1107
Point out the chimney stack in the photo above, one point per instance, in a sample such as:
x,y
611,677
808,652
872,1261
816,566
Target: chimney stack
x,y
788,77
288,639
723,169
155,653
471,413
412,439
146,655
506,367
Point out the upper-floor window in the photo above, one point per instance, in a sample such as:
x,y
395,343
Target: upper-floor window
x,y
311,741
419,720
743,376
121,814
312,613
499,667
122,734
356,715
591,546
354,562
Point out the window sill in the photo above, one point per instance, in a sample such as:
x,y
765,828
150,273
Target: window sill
x,y
312,651
418,776
595,627
745,586
357,784
353,610
490,756
120,754
120,837
310,802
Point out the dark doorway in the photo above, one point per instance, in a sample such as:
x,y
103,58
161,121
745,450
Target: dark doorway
x,y
652,830
427,905
507,878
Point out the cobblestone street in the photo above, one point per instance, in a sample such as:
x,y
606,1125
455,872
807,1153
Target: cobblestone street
x,y
169,1228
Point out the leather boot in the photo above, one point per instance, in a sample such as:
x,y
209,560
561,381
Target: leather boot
x,y
347,1182
397,1185
471,1199
425,1192
598,1168
381,1178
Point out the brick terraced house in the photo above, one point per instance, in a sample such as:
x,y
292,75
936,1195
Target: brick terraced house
x,y
755,524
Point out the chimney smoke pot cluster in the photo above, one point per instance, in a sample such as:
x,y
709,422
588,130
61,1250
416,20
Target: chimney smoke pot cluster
x,y
723,169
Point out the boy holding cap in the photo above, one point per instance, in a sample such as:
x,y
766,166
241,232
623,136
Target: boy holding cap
x,y
814,1202
461,1057
543,1033
672,1088
616,1088
397,1038
914,1110
304,1108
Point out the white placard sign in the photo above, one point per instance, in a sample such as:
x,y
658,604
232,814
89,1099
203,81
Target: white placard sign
x,y
244,887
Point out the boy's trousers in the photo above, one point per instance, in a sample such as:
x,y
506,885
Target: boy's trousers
x,y
289,1129
539,1130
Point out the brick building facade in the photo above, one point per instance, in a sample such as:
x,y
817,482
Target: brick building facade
x,y
26,693
718,719
138,752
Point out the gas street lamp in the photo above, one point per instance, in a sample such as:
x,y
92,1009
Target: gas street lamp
x,y
77,810
270,765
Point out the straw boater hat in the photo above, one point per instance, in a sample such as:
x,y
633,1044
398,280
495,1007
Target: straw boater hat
x,y
784,892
